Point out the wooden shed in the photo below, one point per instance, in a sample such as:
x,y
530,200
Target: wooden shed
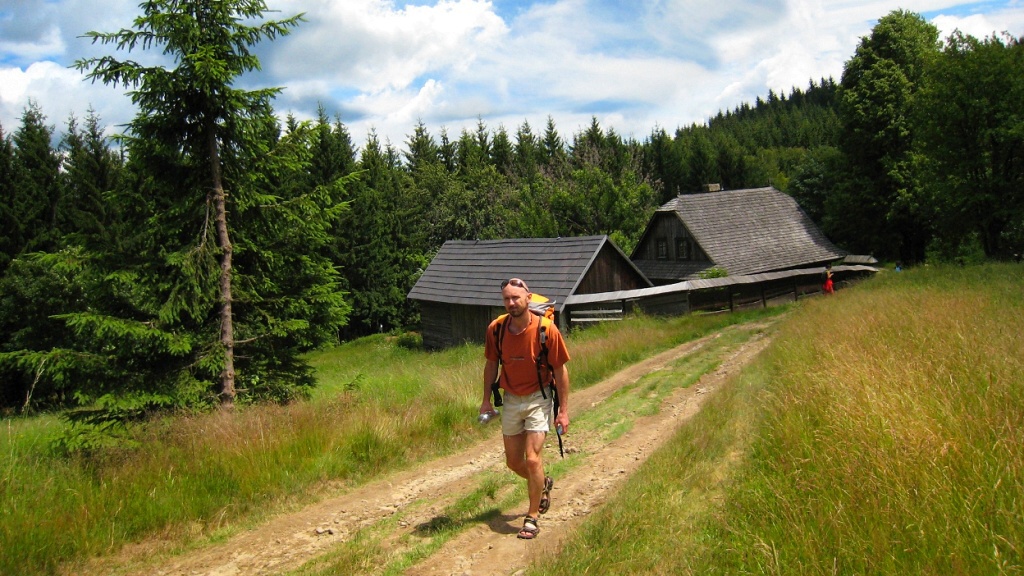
x,y
744,232
460,291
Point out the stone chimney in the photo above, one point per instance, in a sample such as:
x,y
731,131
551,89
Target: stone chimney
x,y
712,187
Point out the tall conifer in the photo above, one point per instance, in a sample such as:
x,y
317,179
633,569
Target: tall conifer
x,y
193,111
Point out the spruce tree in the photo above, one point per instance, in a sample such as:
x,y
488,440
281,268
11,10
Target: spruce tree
x,y
333,153
199,121
502,154
10,228
448,152
36,192
553,150
663,162
527,152
374,233
92,171
422,149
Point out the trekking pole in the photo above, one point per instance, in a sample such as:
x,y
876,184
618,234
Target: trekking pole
x,y
558,428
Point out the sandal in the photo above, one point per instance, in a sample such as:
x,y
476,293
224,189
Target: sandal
x,y
545,496
530,529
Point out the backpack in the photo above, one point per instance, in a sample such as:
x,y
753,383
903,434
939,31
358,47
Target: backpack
x,y
544,309
541,306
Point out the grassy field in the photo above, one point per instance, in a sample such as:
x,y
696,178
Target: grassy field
x,y
882,433
191,479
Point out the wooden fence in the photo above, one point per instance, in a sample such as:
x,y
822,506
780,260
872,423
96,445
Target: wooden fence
x,y
709,296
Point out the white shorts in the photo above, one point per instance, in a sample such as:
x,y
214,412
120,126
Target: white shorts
x,y
525,414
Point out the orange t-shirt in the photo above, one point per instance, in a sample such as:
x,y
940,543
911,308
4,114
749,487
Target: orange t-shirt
x,y
519,355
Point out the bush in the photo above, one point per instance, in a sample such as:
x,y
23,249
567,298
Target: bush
x,y
410,341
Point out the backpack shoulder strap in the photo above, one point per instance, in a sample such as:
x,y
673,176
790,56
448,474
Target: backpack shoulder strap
x,y
542,357
499,333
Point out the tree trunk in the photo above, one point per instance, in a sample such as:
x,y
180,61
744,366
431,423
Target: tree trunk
x,y
227,330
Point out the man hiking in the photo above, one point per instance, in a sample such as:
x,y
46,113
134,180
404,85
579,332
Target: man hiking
x,y
530,353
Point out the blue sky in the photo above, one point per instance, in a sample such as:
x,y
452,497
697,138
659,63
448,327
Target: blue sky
x,y
384,65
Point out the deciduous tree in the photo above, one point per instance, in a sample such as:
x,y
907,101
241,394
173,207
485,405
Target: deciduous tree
x,y
877,95
972,127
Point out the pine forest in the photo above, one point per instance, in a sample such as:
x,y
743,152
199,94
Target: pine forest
x,y
191,261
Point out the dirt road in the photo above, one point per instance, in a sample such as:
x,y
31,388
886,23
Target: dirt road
x,y
400,505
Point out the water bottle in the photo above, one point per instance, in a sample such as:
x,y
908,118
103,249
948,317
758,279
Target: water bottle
x,y
486,417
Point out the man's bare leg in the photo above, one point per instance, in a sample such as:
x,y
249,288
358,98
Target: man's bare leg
x,y
522,456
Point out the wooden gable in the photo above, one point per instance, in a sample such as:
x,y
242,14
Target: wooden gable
x,y
742,231
667,251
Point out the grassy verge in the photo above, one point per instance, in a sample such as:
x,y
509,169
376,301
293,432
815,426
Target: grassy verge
x,y
882,433
379,407
655,523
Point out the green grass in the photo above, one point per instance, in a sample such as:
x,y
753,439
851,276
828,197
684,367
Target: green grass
x,y
654,524
379,407
882,433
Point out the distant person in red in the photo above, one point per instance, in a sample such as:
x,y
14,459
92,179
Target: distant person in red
x,y
514,346
829,288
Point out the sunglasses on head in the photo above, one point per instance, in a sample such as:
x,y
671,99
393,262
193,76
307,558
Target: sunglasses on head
x,y
515,282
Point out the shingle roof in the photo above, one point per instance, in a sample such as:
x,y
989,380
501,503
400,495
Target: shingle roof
x,y
865,259
753,230
470,272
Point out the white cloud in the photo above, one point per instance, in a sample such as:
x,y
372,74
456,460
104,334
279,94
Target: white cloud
x,y
374,47
808,41
982,25
393,114
59,91
384,65
46,45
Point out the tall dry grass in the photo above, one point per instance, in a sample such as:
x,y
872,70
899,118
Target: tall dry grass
x,y
894,440
882,433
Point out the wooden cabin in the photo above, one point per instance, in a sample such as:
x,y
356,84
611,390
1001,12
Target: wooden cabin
x,y
743,232
460,291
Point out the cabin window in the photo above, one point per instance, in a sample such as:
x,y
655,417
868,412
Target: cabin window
x,y
683,251
662,248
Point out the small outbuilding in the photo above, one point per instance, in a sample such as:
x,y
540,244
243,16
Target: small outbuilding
x,y
742,232
460,291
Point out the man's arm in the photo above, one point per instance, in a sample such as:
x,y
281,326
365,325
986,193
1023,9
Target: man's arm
x,y
490,375
561,374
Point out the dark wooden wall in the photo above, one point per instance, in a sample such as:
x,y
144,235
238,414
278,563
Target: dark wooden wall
x,y
446,325
669,227
610,273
